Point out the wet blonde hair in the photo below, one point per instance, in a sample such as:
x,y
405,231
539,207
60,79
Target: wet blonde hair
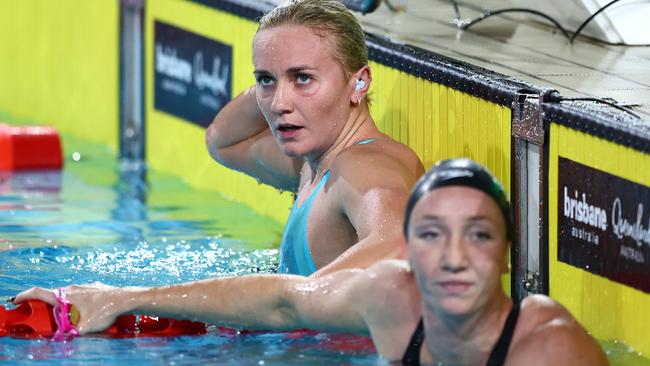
x,y
331,20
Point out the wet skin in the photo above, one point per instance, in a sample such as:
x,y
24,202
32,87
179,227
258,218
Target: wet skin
x,y
301,91
308,121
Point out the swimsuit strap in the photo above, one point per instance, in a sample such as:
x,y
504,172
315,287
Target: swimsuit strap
x,y
412,354
313,193
497,356
307,205
295,257
500,350
366,141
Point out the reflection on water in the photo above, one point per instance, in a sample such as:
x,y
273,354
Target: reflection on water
x,y
213,349
96,202
131,188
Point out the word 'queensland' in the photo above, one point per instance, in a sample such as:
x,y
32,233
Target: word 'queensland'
x,y
633,229
171,65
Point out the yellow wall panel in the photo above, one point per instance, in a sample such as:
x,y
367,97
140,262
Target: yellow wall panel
x,y
59,65
177,146
443,120
396,106
439,122
420,117
610,311
428,122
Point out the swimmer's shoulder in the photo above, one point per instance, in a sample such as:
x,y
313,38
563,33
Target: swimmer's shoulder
x,y
392,281
540,309
383,159
547,334
385,276
399,269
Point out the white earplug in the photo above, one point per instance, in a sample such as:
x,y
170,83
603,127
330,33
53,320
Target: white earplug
x,y
359,84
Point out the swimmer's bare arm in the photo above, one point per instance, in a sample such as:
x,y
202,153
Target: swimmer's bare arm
x,y
240,139
269,302
374,200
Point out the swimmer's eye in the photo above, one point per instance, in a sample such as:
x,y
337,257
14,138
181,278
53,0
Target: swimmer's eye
x,y
428,235
264,80
481,236
303,79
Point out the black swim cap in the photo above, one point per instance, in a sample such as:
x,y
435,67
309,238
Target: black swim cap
x,y
460,172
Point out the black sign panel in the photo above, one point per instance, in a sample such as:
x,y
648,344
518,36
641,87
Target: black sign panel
x,y
193,74
604,224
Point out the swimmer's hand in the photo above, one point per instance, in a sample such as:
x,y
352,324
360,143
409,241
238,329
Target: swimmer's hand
x,y
98,304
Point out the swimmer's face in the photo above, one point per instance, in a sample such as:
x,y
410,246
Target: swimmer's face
x,y
458,249
301,90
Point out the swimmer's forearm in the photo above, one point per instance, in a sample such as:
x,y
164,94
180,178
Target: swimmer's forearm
x,y
237,121
256,302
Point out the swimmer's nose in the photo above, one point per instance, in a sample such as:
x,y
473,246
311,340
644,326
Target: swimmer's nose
x,y
454,258
281,103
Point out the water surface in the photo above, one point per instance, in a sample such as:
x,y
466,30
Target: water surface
x,y
99,220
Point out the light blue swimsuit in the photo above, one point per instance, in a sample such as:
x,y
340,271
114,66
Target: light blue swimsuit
x,y
295,257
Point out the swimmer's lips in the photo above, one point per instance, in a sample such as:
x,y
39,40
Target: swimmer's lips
x,y
288,131
454,287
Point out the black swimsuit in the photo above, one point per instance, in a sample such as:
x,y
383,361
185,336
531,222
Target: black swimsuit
x,y
497,356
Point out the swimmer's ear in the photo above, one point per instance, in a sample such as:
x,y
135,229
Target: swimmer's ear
x,y
359,84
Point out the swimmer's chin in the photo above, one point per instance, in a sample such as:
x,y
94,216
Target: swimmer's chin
x,y
290,151
451,305
292,154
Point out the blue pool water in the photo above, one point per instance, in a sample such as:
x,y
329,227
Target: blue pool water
x,y
101,221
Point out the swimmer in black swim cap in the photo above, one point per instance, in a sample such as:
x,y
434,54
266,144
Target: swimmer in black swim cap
x,y
460,172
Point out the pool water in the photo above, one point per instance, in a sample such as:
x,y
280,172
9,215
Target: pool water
x,y
99,220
